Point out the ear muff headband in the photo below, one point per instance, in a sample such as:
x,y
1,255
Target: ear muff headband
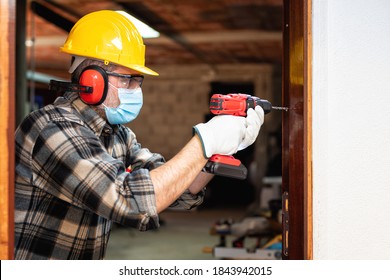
x,y
60,86
92,86
95,77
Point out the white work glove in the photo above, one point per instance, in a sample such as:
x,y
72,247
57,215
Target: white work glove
x,y
254,121
226,134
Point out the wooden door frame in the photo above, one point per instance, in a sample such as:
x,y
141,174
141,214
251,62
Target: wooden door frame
x,y
7,127
297,143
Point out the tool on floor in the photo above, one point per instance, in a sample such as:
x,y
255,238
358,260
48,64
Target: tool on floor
x,y
236,104
264,231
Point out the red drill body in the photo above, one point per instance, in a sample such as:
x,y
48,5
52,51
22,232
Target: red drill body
x,y
236,104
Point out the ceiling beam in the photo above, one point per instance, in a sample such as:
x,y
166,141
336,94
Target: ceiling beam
x,y
193,38
224,37
51,16
143,13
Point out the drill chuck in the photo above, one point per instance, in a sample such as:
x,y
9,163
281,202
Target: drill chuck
x,y
265,104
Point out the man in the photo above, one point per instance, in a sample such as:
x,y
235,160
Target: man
x,y
78,168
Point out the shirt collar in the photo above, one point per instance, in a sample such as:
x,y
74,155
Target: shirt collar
x,y
92,119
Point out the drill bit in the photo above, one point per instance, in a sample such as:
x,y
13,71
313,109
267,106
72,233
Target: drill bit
x,y
280,108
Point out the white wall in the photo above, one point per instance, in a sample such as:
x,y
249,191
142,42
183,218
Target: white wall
x,y
351,129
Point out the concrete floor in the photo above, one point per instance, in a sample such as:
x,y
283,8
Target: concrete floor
x,y
183,236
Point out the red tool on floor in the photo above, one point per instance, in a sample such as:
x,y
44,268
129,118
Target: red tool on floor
x,y
236,104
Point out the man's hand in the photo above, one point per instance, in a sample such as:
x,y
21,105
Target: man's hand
x,y
225,134
254,121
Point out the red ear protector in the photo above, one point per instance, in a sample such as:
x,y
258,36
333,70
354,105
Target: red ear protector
x,y
95,77
92,87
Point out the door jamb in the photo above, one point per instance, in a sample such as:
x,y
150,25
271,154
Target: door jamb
x,y
297,133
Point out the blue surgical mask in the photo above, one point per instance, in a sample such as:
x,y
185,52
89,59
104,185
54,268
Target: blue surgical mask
x,y
130,105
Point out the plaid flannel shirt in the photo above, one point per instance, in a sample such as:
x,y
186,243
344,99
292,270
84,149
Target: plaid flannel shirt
x,y
71,182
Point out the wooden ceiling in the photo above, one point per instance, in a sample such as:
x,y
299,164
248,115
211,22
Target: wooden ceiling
x,y
192,31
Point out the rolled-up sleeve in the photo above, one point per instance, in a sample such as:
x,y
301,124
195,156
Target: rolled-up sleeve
x,y
188,201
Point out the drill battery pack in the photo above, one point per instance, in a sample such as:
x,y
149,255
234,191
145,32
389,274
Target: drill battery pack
x,y
227,166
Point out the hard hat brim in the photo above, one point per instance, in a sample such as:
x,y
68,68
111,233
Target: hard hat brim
x,y
143,70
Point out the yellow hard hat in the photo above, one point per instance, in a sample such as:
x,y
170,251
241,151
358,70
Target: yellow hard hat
x,y
109,36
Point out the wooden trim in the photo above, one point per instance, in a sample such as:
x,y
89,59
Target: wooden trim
x,y
285,128
308,181
297,144
293,129
7,127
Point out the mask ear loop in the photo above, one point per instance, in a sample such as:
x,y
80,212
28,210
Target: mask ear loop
x,y
112,85
104,105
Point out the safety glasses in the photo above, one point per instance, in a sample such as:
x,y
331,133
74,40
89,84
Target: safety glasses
x,y
128,81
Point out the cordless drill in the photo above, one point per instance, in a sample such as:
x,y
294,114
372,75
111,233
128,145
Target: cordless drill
x,y
236,104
